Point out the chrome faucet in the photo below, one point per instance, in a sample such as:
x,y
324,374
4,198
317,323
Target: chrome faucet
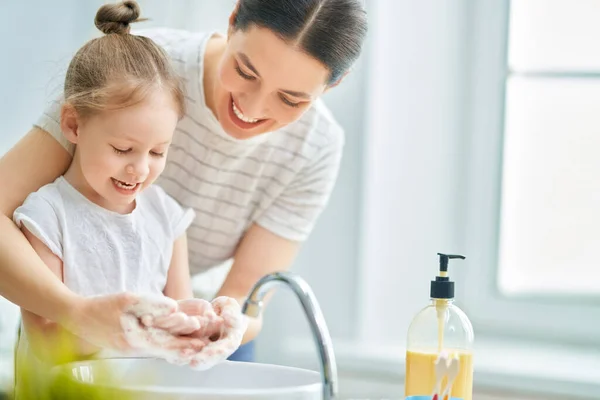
x,y
253,306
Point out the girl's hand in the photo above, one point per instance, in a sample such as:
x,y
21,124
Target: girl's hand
x,y
195,318
98,320
221,326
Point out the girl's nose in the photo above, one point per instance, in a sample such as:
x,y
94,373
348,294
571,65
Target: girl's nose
x,y
138,170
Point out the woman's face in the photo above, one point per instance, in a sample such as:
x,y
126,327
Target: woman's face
x,y
264,83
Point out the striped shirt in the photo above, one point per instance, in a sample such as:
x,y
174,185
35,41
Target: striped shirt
x,y
280,180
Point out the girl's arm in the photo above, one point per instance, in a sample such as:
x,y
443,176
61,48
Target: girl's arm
x,y
49,340
179,285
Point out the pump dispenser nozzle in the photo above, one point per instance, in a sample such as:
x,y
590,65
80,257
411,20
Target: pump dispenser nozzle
x,y
444,260
443,287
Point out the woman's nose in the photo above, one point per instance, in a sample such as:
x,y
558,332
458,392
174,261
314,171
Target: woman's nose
x,y
254,106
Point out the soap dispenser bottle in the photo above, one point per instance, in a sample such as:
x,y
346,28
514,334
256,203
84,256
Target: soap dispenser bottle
x,y
439,359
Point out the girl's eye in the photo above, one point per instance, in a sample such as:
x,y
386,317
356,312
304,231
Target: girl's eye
x,y
287,102
157,154
243,74
120,151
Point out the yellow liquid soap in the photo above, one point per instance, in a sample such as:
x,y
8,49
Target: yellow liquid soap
x,y
421,367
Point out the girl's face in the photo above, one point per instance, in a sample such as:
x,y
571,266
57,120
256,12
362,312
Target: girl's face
x,y
121,152
264,83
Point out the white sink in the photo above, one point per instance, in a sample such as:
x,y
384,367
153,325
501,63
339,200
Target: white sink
x,y
150,379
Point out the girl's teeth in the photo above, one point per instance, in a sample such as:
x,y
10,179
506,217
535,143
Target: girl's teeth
x,y
124,185
241,116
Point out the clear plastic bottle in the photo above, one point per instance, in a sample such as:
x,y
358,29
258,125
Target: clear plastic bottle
x,y
439,345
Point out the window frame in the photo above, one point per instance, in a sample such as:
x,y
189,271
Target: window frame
x,y
565,319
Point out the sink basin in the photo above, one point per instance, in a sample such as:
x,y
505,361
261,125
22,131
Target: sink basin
x,y
152,379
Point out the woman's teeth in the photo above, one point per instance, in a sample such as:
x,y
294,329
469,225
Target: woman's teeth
x,y
124,185
241,116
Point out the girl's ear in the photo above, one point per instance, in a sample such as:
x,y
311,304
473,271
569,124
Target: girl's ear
x,y
69,123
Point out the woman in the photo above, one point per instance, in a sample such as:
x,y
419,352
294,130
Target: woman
x,y
256,156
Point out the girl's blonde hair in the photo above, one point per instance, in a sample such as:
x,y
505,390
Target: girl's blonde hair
x,y
118,69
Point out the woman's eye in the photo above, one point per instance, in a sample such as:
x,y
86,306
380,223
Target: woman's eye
x,y
288,102
243,74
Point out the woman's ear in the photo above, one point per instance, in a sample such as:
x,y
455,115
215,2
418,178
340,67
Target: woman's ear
x,y
232,18
340,79
69,123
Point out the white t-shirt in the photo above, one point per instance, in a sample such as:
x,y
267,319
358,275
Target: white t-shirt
x,y
281,180
102,251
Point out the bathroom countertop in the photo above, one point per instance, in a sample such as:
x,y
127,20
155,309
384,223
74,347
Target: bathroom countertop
x,y
519,367
353,386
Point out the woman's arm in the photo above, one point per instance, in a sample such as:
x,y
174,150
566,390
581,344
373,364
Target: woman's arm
x,y
273,241
179,285
36,160
261,252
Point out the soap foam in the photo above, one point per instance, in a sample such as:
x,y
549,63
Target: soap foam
x,y
154,323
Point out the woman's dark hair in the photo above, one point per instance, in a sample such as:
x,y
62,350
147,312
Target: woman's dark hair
x,y
332,31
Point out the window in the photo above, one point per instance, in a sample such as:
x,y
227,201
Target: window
x,y
534,227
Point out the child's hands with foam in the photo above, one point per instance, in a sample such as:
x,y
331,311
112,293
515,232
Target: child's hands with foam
x,y
219,324
227,339
136,323
194,317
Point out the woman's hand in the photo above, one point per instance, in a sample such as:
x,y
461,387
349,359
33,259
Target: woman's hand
x,y
220,325
196,318
98,321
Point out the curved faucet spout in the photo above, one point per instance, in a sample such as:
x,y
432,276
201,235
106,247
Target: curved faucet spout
x,y
253,307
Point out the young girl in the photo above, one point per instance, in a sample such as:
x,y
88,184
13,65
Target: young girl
x,y
103,227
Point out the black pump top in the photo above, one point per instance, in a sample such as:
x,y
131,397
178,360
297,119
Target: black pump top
x,y
443,287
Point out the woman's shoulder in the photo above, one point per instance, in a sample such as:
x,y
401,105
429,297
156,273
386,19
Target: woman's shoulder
x,y
316,129
326,121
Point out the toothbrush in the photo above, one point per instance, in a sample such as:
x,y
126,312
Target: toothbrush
x,y
441,366
453,370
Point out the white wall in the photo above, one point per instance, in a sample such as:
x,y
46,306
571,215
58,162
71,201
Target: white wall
x,y
414,163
